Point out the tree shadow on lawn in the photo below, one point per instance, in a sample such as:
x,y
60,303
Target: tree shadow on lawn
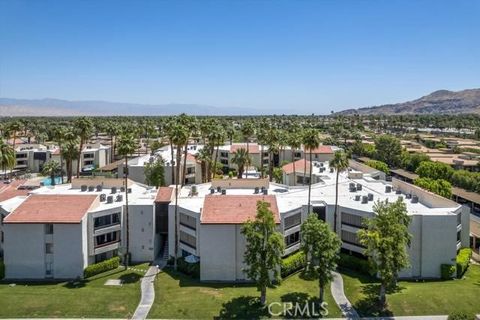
x,y
131,277
244,307
303,306
369,304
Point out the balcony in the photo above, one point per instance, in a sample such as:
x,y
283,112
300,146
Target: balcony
x,y
108,246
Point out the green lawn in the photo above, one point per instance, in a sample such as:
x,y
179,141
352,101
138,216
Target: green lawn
x,y
89,298
417,298
179,296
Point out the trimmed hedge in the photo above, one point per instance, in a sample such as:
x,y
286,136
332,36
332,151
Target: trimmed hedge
x,y
191,269
354,263
100,267
2,269
447,271
458,316
293,263
463,259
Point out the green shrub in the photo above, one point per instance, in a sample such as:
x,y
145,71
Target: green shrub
x,y
2,270
458,316
100,267
190,269
379,165
292,263
447,271
356,264
463,259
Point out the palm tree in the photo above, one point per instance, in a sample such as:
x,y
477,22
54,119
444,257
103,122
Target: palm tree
x,y
311,141
69,154
7,156
51,168
12,130
127,146
295,142
247,130
59,134
112,130
241,158
340,163
179,139
205,158
84,128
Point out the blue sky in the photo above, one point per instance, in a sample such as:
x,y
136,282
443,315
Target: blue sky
x,y
304,56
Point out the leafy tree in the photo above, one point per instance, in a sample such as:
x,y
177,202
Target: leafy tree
x,y
386,239
439,186
155,173
434,170
242,159
410,162
278,175
321,246
379,165
340,164
51,168
264,249
388,150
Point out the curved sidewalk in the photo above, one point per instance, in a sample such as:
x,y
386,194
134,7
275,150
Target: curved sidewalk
x,y
148,292
339,296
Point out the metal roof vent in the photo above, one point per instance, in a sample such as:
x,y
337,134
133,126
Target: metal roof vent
x,y
257,190
91,188
119,197
129,190
414,199
219,189
265,191
388,189
398,191
122,189
110,199
83,188
359,187
114,190
409,196
103,197
357,197
364,199
224,192
99,188
370,196
388,178
212,191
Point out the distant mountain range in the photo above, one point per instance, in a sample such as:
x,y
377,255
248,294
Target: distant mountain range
x,y
438,102
57,107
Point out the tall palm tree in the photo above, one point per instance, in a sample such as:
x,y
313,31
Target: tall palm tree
x,y
113,131
84,127
205,158
241,158
69,154
295,142
59,134
340,163
311,140
51,168
179,139
127,146
12,130
248,130
7,156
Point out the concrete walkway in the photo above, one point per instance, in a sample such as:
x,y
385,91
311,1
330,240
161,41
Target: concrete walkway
x,y
339,296
148,291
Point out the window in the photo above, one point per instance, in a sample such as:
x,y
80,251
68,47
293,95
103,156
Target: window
x,y
224,161
301,179
459,236
48,248
107,220
292,239
188,240
224,154
190,170
351,238
48,268
107,238
88,156
49,228
298,154
188,221
320,212
293,221
88,162
352,220
459,219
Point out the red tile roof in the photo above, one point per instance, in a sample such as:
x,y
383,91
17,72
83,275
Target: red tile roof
x,y
321,149
235,209
299,166
42,208
191,158
164,194
8,191
252,147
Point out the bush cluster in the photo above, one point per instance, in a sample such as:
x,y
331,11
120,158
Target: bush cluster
x,y
354,263
2,269
447,271
190,269
463,259
100,267
293,263
379,165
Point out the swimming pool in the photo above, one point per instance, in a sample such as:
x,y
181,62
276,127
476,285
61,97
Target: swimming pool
x,y
48,182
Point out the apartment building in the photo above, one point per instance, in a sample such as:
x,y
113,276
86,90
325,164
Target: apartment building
x,y
32,157
211,216
55,232
93,156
